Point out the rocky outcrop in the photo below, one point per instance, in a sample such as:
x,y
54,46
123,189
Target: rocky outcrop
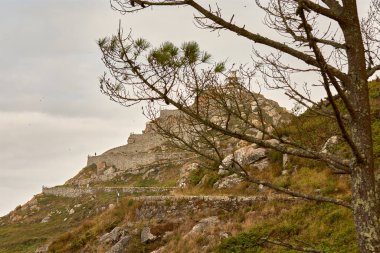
x,y
120,246
118,238
138,152
228,182
141,150
244,156
247,156
113,236
250,155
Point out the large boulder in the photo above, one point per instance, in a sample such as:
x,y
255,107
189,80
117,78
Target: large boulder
x,y
203,225
120,246
228,182
244,156
146,235
113,236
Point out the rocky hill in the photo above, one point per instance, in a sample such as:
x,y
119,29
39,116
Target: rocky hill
x,y
142,152
148,196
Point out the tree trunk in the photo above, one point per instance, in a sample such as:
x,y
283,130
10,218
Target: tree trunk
x,y
364,196
364,190
365,209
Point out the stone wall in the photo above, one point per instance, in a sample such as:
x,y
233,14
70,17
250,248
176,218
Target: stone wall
x,y
73,192
70,192
166,207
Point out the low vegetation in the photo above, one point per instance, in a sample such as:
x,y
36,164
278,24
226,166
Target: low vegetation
x,y
324,227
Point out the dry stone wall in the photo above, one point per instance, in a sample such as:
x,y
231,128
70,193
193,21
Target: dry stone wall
x,y
165,207
73,192
69,192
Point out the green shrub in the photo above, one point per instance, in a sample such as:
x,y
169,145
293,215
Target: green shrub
x,y
243,243
130,202
275,156
196,176
211,180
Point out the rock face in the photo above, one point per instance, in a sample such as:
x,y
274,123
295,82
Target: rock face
x,y
140,151
124,158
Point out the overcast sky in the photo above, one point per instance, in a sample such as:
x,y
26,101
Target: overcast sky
x,y
52,114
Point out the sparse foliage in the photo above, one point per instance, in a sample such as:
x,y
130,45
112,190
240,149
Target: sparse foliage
x,y
329,41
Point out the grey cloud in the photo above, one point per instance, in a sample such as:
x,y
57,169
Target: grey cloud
x,y
39,149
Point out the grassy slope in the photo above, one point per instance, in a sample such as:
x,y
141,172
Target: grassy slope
x,y
322,226
325,227
31,233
